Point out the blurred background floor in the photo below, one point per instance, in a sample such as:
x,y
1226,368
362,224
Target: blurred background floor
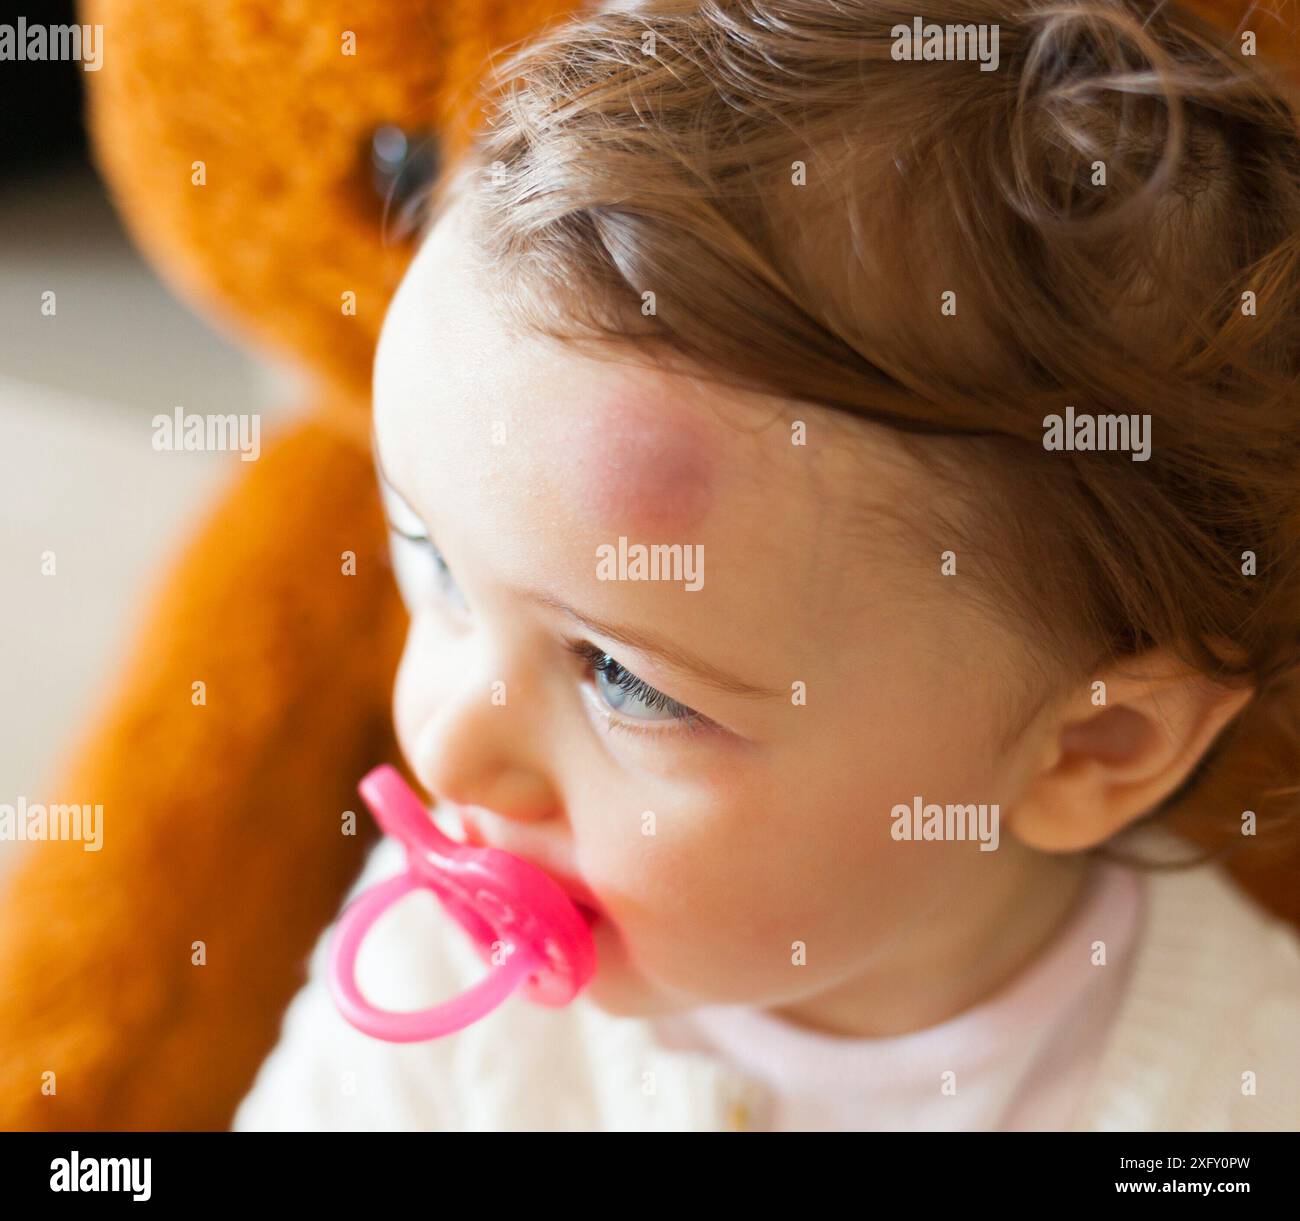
x,y
79,474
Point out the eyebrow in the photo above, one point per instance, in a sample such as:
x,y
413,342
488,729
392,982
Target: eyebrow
x,y
670,654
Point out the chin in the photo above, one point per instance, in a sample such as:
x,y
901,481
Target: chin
x,y
615,987
618,988
621,998
619,991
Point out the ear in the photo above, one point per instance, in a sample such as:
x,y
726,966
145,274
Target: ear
x,y
1116,749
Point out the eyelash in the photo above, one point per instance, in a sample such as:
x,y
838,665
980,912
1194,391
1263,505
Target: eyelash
x,y
597,661
423,540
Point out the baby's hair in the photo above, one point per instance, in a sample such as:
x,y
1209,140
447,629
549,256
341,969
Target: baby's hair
x,y
1116,209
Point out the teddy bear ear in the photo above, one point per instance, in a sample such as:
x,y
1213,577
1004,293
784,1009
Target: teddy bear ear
x,y
1265,29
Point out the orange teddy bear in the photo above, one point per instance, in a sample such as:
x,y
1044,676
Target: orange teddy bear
x,y
250,146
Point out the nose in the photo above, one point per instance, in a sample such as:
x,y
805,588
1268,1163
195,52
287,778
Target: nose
x,y
471,749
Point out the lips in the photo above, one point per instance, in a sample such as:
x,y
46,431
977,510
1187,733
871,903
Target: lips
x,y
587,913
578,893
580,896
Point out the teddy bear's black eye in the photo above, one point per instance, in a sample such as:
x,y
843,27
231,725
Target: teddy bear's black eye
x,y
403,166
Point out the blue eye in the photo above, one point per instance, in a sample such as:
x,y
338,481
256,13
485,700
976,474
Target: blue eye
x,y
421,570
629,695
422,574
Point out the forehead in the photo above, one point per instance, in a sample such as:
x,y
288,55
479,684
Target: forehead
x,y
640,456
525,439
637,446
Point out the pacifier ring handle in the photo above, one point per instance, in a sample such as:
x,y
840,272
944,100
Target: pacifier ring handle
x,y
497,898
411,1026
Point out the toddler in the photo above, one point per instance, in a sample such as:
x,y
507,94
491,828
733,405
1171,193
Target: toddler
x,y
847,496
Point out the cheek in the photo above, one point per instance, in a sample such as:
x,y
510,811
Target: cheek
x,y
710,905
769,885
414,686
406,713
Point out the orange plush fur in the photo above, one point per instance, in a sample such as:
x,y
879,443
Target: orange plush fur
x,y
222,822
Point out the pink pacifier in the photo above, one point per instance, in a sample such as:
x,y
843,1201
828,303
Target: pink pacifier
x,y
497,898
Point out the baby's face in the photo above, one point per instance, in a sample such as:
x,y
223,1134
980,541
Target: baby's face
x,y
724,790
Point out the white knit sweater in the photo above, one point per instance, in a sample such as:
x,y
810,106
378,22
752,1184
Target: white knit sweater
x,y
1214,996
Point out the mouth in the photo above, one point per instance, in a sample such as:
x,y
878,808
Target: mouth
x,y
577,893
589,914
580,898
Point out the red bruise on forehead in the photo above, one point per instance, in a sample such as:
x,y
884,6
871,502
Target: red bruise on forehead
x,y
648,468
